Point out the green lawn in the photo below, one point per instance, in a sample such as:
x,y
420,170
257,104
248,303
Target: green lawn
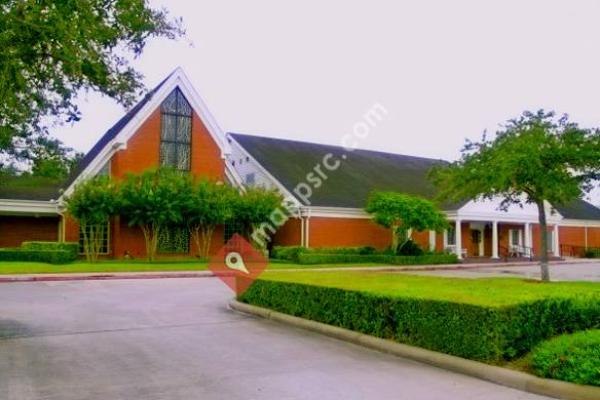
x,y
16,267
102,266
492,291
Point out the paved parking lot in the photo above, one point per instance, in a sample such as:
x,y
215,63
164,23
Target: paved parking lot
x,y
176,339
584,271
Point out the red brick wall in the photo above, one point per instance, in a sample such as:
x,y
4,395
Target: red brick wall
x,y
142,153
350,232
571,235
594,237
290,234
15,230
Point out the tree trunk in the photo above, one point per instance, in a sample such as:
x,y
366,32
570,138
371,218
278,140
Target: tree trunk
x,y
86,240
207,232
195,233
544,236
148,241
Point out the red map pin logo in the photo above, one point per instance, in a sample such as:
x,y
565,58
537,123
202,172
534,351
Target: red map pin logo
x,y
238,264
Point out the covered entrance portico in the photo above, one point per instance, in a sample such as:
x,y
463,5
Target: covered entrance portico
x,y
481,230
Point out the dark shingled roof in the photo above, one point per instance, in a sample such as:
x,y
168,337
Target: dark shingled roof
x,y
579,209
361,172
29,188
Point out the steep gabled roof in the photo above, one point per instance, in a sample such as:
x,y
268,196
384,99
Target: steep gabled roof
x,y
112,133
361,171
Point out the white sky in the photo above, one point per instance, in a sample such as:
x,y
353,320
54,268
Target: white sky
x,y
308,70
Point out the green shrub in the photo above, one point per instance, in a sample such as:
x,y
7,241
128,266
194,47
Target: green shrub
x,y
592,253
410,248
47,256
313,258
573,358
476,332
289,253
71,247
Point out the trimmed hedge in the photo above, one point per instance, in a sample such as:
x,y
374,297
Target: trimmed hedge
x,y
71,247
288,253
476,332
48,252
343,255
573,358
310,258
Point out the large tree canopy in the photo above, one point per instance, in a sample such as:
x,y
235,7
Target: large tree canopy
x,y
50,50
535,158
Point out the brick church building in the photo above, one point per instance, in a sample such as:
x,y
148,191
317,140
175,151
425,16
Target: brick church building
x,y
172,126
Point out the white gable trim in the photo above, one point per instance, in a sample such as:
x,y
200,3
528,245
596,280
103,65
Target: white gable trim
x,y
282,189
176,79
28,207
589,223
338,212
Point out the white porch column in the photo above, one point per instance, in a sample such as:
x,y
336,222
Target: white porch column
x,y
556,241
495,239
431,240
458,239
527,235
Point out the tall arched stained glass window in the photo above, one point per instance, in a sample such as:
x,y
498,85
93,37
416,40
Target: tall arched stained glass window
x,y
176,132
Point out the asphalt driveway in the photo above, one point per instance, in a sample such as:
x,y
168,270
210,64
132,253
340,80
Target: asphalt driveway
x,y
176,339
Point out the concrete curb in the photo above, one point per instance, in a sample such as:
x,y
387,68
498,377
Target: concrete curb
x,y
103,276
499,375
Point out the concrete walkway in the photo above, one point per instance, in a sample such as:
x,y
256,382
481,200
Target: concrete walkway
x,y
175,339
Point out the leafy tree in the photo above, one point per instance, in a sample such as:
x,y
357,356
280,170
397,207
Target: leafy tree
x,y
254,207
402,213
536,158
51,50
207,205
48,157
92,204
154,200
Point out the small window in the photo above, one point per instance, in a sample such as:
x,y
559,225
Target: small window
x,y
451,236
250,179
515,237
174,240
104,241
231,229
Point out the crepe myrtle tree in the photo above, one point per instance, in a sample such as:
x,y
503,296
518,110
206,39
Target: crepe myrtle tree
x,y
207,204
154,200
402,213
254,207
92,204
535,158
